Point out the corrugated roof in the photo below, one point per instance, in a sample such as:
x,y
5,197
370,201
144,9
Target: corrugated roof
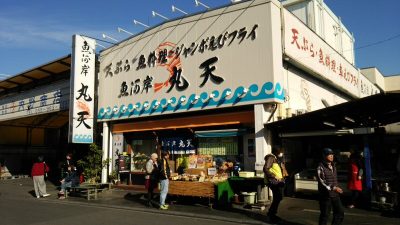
x,y
36,74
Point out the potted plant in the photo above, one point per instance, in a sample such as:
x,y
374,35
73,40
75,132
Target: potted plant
x,y
92,164
113,177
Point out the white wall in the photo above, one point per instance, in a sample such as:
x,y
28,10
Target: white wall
x,y
304,94
392,83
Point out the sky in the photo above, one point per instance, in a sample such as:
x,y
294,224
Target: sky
x,y
35,32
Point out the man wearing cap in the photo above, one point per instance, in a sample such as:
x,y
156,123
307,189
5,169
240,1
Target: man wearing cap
x,y
329,190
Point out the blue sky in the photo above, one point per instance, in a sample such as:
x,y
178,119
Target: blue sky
x,y
34,32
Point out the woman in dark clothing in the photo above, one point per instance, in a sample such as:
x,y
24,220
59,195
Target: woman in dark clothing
x,y
329,191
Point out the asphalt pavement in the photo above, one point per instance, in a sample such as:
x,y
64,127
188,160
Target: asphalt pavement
x,y
293,211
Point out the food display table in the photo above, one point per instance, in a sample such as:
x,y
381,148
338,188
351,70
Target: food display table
x,y
220,191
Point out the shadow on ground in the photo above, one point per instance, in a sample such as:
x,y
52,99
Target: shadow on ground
x,y
202,205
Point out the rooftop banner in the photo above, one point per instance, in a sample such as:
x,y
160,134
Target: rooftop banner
x,y
82,90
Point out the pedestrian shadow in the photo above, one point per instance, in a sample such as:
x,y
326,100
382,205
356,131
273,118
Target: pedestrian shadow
x,y
32,192
138,198
257,215
141,198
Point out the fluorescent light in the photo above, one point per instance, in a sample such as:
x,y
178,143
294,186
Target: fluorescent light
x,y
111,38
317,133
125,31
100,45
140,23
174,8
197,2
329,124
349,119
154,13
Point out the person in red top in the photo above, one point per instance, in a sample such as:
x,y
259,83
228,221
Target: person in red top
x,y
39,169
355,173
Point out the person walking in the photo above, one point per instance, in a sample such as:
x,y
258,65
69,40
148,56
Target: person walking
x,y
329,190
152,177
39,169
355,173
165,174
273,177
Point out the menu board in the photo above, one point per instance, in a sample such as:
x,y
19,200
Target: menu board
x,y
218,146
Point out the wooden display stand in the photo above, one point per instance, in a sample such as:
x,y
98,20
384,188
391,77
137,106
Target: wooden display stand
x,y
195,189
189,188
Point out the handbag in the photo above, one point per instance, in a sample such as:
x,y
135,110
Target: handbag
x,y
45,171
147,183
276,182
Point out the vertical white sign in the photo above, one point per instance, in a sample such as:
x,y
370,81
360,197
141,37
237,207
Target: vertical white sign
x,y
82,90
118,148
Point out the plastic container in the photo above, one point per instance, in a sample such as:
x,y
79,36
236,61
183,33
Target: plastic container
x,y
246,174
249,198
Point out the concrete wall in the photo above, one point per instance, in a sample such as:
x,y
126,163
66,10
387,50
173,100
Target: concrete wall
x,y
375,77
392,83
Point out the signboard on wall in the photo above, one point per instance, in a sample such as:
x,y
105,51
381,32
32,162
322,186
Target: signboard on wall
x,y
308,49
220,58
47,99
117,149
82,90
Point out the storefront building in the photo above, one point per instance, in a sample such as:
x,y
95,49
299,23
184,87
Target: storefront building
x,y
218,89
206,84
34,116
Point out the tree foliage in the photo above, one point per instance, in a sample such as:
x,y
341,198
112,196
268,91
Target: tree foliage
x,y
92,164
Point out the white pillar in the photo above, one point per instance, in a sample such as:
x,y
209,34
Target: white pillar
x,y
262,112
106,138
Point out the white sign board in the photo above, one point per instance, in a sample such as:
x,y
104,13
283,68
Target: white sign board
x,y
117,149
219,58
82,90
47,99
308,49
